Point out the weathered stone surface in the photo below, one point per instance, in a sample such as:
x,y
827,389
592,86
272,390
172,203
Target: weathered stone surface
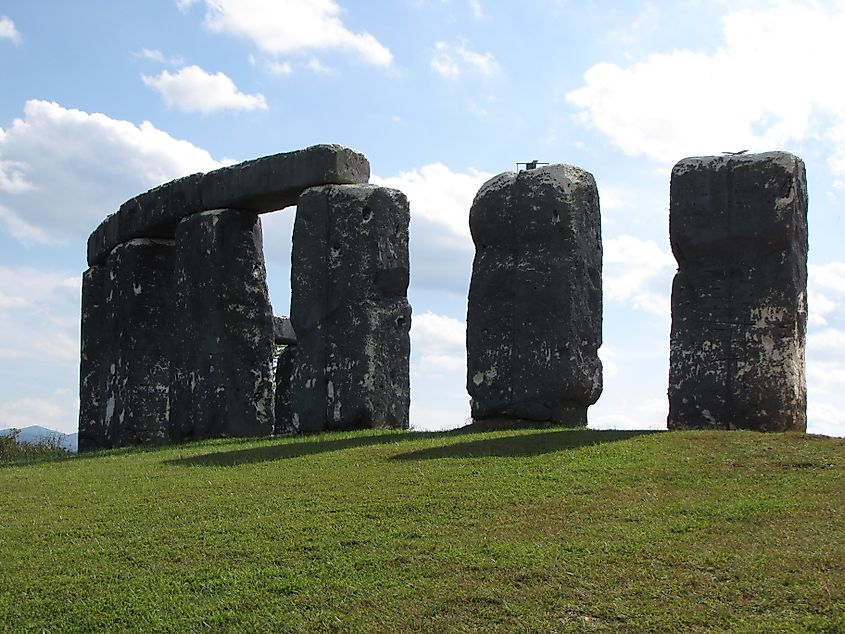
x,y
349,308
261,185
283,333
285,366
738,227
95,358
137,338
221,382
534,311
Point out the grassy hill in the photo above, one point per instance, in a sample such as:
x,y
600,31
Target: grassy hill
x,y
529,531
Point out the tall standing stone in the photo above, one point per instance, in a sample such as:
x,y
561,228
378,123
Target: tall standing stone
x,y
349,308
222,382
137,336
738,227
534,311
95,359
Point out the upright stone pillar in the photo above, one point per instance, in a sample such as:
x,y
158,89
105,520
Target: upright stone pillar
x,y
534,312
349,308
95,359
138,305
221,380
284,335
738,227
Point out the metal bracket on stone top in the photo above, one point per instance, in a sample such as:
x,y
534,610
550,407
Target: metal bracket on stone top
x,y
530,165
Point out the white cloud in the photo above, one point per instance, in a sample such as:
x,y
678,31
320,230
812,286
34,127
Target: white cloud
x,y
79,167
159,57
440,195
39,315
59,412
825,419
8,30
477,9
279,68
830,275
192,89
829,339
686,102
291,26
820,307
439,346
639,273
453,60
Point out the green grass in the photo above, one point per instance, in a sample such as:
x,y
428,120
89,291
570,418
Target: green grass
x,y
14,452
529,531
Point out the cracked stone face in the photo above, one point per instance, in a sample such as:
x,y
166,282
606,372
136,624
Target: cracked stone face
x,y
349,309
222,343
534,309
738,227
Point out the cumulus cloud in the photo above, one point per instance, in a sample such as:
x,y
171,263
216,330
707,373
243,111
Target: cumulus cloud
x,y
440,195
752,93
438,372
639,273
39,315
58,412
453,60
8,30
825,419
192,89
291,26
62,170
159,57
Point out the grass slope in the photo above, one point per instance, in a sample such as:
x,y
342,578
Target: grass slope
x,y
529,531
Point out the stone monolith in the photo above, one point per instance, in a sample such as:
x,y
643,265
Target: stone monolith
x,y
738,228
535,309
221,383
136,333
95,359
349,309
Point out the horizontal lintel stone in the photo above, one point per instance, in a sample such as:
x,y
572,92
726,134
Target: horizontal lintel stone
x,y
261,185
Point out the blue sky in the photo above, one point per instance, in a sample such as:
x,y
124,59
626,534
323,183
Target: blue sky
x,y
102,101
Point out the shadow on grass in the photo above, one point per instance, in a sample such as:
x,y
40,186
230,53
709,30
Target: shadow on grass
x,y
285,450
530,444
524,445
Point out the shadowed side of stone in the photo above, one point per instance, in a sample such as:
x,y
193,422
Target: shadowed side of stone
x,y
738,228
534,309
285,365
136,333
349,308
95,357
221,382
283,333
261,185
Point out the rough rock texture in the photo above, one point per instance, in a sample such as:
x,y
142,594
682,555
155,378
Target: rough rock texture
x,y
534,311
284,373
221,382
349,308
283,333
738,227
95,358
136,335
265,184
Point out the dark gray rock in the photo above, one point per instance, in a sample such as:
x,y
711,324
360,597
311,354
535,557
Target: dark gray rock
x,y
261,185
283,333
222,342
95,358
285,366
349,308
534,311
738,227
137,340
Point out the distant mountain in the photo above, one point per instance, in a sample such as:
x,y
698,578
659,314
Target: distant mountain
x,y
34,433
